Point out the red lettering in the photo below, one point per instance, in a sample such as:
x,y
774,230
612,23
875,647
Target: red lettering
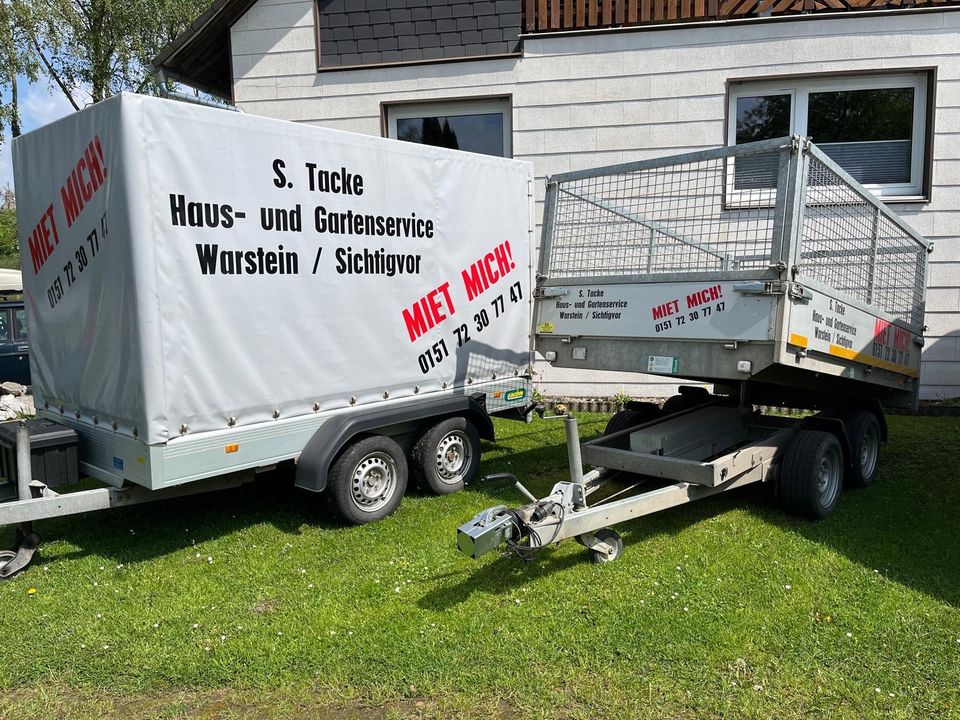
x,y
483,273
79,188
416,324
86,190
99,149
427,312
445,289
37,250
665,310
489,262
473,282
901,339
881,331
700,297
68,196
433,308
93,167
53,225
503,261
39,240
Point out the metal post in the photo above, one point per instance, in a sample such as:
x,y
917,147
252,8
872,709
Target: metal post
x,y
871,267
23,461
548,229
573,450
650,253
795,203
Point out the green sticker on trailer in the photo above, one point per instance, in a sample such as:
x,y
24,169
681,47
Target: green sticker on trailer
x,y
663,365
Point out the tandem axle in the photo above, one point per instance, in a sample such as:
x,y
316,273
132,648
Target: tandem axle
x,y
703,450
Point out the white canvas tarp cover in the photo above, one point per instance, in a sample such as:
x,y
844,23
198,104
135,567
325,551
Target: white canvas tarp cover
x,y
186,265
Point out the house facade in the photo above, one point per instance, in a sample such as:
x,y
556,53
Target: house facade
x,y
583,83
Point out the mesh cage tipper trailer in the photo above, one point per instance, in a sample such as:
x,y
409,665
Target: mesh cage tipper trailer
x,y
763,269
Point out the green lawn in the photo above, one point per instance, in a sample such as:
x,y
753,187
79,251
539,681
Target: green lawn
x,y
259,603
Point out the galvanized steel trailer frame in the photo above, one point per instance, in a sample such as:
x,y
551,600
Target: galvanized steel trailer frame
x,y
630,231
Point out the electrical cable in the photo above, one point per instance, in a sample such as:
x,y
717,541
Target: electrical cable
x,y
529,552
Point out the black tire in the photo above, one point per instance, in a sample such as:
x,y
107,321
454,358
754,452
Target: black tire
x,y
811,474
675,404
369,479
638,413
613,539
447,456
863,430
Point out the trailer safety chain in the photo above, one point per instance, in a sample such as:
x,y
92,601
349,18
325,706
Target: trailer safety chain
x,y
12,562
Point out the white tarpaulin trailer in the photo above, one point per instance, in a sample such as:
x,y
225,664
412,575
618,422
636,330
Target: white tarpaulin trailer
x,y
209,291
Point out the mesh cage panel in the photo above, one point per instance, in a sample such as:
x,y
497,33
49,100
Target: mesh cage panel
x,y
686,217
849,245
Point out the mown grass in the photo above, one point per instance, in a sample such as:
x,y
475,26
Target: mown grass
x,y
259,603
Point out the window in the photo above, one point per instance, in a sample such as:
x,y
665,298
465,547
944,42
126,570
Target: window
x,y
480,126
872,126
21,326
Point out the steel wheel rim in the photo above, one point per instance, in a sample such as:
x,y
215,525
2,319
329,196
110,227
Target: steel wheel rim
x,y
869,451
453,457
828,477
374,481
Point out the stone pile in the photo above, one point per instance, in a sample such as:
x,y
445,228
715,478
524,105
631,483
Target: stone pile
x,y
15,402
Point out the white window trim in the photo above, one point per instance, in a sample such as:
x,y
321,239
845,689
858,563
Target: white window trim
x,y
483,106
800,90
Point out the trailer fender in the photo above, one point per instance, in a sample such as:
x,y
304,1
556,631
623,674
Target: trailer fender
x,y
333,436
871,405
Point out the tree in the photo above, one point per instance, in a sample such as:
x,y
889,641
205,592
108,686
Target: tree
x,y
9,245
105,46
17,58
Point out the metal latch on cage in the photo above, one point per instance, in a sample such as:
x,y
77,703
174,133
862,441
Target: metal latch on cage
x,y
549,292
774,287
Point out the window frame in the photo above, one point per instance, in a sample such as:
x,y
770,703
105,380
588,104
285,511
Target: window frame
x,y
800,88
391,112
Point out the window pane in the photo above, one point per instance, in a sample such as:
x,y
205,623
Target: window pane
x,y
861,115
21,324
867,132
5,326
481,133
762,117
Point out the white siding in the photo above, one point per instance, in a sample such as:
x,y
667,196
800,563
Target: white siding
x,y
615,97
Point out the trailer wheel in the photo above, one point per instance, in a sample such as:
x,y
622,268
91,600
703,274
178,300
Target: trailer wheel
x,y
613,540
811,475
623,419
368,480
864,433
447,455
676,403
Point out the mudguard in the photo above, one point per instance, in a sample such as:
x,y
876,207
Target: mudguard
x,y
334,435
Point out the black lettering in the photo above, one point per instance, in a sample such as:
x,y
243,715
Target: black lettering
x,y
207,255
280,180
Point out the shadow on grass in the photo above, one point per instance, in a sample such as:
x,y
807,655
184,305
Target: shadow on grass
x,y
152,530
907,525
